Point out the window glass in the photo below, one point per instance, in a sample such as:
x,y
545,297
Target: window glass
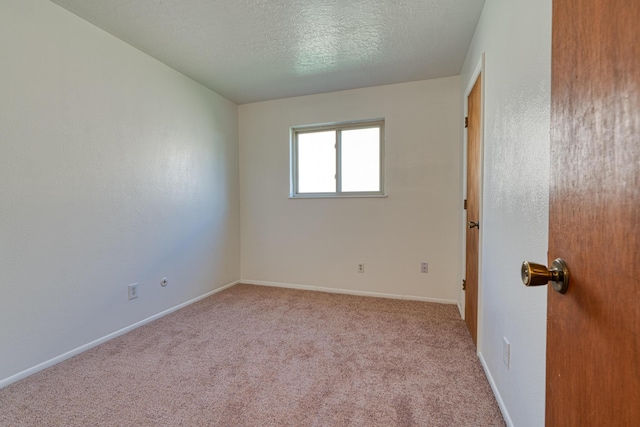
x,y
317,162
361,159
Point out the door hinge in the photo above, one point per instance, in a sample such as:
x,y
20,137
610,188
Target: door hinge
x,y
464,285
465,204
466,122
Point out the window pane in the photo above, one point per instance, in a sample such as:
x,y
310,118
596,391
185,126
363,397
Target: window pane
x,y
361,159
317,162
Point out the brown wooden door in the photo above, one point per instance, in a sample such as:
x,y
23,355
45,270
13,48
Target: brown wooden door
x,y
593,331
474,106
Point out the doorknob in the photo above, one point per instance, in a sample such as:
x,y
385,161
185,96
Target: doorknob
x,y
472,224
537,274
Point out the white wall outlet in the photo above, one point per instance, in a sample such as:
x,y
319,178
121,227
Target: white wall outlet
x,y
506,352
164,282
424,267
133,291
361,267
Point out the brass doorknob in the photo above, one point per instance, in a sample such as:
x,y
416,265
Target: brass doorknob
x,y
537,274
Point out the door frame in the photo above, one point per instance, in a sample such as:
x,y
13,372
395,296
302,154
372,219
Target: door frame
x,y
478,70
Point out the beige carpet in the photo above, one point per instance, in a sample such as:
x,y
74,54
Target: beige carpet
x,y
257,356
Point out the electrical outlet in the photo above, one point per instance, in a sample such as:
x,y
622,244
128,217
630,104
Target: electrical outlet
x,y
506,352
164,282
361,267
424,267
133,291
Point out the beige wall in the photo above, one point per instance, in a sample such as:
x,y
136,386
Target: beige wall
x,y
114,169
515,36
318,242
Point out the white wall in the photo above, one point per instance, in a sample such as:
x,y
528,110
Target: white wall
x,y
516,36
318,242
114,169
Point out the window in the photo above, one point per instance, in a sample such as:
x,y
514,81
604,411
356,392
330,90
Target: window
x,y
338,160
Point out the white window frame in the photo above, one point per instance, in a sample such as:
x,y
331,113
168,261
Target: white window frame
x,y
338,127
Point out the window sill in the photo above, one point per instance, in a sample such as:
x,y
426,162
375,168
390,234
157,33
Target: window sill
x,y
337,196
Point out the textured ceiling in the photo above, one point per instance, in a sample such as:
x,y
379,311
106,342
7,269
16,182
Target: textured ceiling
x,y
254,50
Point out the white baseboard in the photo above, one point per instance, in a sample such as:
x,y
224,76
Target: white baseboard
x,y
460,309
346,291
496,393
44,365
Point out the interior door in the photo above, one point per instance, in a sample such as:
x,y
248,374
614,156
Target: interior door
x,y
474,105
593,335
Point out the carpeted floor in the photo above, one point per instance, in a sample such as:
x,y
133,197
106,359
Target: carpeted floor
x,y
258,356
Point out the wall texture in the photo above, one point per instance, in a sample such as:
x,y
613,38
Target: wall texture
x,y
318,242
114,169
516,37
